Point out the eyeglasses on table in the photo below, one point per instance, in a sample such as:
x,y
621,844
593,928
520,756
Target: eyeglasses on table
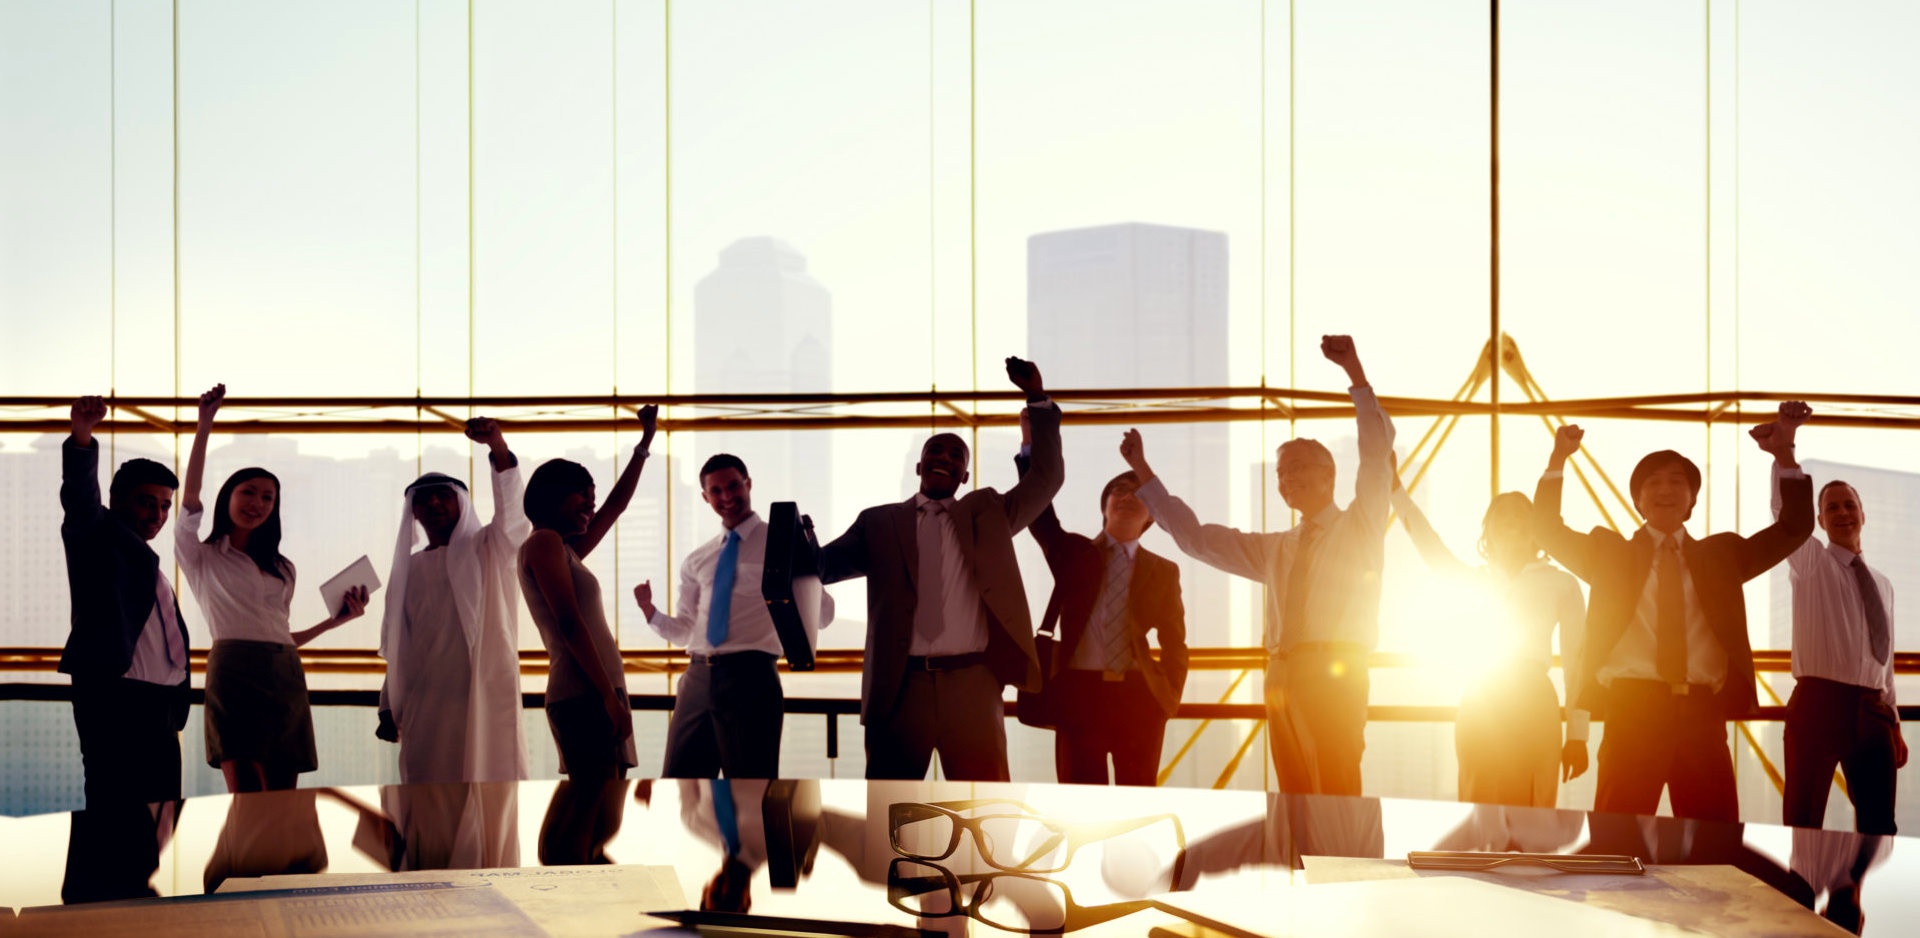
x,y
1010,835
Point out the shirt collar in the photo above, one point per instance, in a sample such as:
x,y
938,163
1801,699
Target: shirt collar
x,y
1326,517
745,528
920,501
1660,537
1131,547
1845,556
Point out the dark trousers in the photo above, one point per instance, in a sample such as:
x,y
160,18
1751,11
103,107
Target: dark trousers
x,y
956,713
1830,724
129,740
1317,717
113,851
1101,718
1657,740
727,717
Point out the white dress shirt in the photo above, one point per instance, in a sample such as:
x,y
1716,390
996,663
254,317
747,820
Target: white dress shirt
x,y
964,617
749,625
239,600
1344,602
1091,653
1829,614
1636,654
160,654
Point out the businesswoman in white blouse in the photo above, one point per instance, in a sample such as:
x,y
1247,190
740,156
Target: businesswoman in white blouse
x,y
1507,733
259,728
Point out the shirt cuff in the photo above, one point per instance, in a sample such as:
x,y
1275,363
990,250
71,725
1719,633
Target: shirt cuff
x,y
1026,450
1152,492
1551,474
1782,472
1578,722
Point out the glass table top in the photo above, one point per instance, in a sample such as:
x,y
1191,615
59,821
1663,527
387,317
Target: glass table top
x,y
951,858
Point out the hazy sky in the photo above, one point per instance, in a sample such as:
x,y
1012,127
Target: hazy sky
x,y
324,196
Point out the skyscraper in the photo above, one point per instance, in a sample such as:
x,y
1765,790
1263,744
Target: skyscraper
x,y
1138,305
762,324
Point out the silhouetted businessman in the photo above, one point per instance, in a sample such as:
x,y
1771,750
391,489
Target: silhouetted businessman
x,y
127,650
1323,588
1108,593
1842,712
1667,662
947,619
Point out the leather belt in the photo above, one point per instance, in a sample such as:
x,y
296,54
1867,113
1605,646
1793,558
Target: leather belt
x,y
730,657
945,662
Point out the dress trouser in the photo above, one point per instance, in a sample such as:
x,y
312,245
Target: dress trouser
x,y
957,713
1657,739
1831,724
727,717
1317,716
1102,717
129,739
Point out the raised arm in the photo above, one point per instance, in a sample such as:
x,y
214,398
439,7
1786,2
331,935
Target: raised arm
x,y
546,558
1373,485
1046,470
1046,529
197,460
622,491
80,463
509,524
1432,549
1237,552
1573,549
1792,529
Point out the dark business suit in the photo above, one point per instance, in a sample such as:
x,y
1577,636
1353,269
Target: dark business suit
x,y
129,730
1100,715
910,714
1655,737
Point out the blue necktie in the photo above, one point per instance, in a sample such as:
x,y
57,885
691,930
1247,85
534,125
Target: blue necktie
x,y
724,816
722,592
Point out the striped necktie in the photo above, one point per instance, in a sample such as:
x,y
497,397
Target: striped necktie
x,y
1114,620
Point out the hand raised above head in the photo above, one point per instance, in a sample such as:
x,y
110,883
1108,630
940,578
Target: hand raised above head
x,y
1339,350
87,413
1794,414
649,423
484,430
1567,439
1133,449
1025,375
210,402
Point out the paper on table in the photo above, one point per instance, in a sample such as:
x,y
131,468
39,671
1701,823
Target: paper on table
x,y
564,900
1434,906
333,593
413,909
1719,900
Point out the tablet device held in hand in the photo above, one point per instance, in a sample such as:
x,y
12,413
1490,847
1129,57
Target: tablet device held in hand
x,y
359,573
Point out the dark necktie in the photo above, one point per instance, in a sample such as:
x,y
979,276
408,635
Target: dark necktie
x,y
1879,634
1293,626
1113,608
1670,627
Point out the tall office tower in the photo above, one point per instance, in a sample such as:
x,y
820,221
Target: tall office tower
x,y
1139,305
762,324
1892,503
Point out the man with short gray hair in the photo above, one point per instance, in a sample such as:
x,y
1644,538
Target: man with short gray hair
x,y
1321,621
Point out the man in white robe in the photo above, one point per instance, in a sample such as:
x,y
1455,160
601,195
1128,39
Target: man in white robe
x,y
451,636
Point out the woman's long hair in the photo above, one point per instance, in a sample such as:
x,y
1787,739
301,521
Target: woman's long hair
x,y
1507,501
263,545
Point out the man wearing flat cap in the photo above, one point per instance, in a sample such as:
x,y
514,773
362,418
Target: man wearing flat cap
x,y
1667,662
450,636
